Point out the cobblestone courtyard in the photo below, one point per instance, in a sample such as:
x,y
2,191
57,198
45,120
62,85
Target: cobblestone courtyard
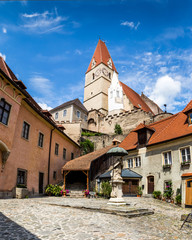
x,y
38,218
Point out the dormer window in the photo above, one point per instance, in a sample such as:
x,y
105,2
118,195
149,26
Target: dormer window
x,y
109,63
93,63
144,133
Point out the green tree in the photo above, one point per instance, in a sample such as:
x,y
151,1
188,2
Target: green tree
x,y
118,129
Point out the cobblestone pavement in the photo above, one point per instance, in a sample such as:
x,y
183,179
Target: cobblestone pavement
x,y
36,218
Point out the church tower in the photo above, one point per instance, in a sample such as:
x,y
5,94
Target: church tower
x,y
98,79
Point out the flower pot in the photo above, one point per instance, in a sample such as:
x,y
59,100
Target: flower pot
x,y
138,195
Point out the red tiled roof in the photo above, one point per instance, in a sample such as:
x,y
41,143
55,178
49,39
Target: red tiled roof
x,y
135,99
188,107
101,55
142,126
84,162
170,128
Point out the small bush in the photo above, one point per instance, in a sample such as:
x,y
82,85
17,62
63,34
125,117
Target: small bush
x,y
139,190
157,194
178,199
118,129
106,189
53,190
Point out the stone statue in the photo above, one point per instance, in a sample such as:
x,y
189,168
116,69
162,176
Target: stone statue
x,y
117,181
116,172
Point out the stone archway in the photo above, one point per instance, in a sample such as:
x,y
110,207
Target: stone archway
x,y
5,153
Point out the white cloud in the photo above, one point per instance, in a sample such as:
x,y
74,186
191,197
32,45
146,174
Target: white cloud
x,y
42,85
4,30
163,70
165,91
131,25
78,52
3,56
44,106
43,22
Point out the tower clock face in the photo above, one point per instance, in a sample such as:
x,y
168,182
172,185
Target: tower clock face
x,y
98,72
105,72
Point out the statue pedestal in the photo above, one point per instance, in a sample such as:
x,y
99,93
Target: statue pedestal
x,y
116,194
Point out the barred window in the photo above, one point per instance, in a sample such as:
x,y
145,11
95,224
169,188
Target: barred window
x,y
64,153
21,177
56,149
4,111
25,132
40,142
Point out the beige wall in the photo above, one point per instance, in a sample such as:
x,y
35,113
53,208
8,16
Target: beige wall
x,y
26,154
152,162
96,91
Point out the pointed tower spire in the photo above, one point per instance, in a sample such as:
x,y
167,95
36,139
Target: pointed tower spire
x,y
101,55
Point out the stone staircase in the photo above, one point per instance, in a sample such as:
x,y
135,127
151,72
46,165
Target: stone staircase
x,y
76,194
76,190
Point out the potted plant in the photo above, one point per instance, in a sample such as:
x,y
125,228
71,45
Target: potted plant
x,y
86,193
139,192
64,192
169,191
157,194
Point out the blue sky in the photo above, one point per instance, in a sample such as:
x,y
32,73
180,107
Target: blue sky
x,y
49,44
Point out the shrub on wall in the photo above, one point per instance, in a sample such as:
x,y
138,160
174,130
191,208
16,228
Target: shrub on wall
x,y
118,129
87,146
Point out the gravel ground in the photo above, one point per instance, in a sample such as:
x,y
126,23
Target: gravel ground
x,y
38,218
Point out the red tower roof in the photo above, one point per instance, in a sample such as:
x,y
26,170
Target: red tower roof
x,y
101,55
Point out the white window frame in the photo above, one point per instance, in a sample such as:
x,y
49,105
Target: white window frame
x,y
166,157
130,163
137,160
186,154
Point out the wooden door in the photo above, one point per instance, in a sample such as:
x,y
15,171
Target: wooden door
x,y
188,199
130,187
41,176
150,184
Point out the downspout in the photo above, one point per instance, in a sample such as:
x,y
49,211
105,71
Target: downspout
x,y
49,159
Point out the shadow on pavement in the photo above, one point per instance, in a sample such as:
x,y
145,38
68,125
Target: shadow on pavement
x,y
10,230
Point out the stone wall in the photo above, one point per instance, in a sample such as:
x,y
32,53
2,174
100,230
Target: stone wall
x,y
104,140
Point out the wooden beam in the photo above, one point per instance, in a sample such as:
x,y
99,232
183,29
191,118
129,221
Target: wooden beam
x,y
85,172
64,181
87,180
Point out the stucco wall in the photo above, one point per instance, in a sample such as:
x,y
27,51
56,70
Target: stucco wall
x,y
152,164
26,154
